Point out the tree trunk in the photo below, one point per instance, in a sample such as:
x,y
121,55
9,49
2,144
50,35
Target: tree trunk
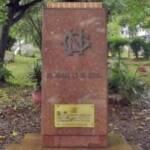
x,y
136,55
3,41
79,0
5,33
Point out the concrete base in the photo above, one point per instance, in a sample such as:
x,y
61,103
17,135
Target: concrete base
x,y
33,141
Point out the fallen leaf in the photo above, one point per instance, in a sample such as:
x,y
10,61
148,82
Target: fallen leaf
x,y
145,110
140,128
116,128
15,133
137,117
142,123
131,137
110,125
2,137
113,109
147,119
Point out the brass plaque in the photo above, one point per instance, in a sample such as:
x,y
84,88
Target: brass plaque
x,y
74,115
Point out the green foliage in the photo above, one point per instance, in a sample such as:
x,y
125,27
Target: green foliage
x,y
3,12
146,50
133,12
114,6
115,45
35,75
137,44
114,28
136,12
4,73
124,82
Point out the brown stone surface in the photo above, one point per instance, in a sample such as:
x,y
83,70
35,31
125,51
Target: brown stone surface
x,y
32,142
74,90
75,141
75,5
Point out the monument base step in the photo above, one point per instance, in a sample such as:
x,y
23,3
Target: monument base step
x,y
136,147
33,141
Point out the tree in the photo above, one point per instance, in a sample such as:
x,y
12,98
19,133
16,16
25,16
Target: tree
x,y
115,45
133,12
14,10
136,12
29,28
137,44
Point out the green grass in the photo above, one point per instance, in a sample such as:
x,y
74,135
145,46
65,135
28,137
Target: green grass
x,y
134,64
16,93
20,70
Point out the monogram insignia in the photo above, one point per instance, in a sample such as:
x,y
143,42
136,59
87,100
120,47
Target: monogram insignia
x,y
76,42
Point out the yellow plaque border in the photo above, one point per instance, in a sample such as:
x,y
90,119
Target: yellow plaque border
x,y
74,115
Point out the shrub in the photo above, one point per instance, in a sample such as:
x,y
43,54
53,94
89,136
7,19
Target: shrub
x,y
115,45
122,81
137,44
35,75
4,73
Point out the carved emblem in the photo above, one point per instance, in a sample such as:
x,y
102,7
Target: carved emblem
x,y
76,42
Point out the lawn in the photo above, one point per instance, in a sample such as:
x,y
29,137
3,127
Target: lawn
x,y
21,69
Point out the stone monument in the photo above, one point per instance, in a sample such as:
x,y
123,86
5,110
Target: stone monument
x,y
74,82
74,86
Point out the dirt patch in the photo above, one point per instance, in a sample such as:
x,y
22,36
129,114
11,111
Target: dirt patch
x,y
15,124
132,122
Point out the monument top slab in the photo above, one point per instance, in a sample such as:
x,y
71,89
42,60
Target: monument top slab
x,y
71,5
